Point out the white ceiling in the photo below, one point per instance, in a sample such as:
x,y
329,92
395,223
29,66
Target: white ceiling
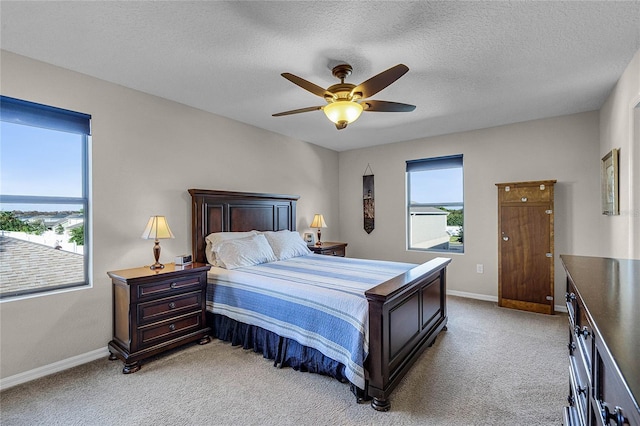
x,y
472,64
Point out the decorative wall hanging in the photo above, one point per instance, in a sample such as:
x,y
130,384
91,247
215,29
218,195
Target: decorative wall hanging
x,y
368,200
609,182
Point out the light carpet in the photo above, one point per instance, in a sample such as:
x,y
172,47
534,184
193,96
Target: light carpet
x,y
493,366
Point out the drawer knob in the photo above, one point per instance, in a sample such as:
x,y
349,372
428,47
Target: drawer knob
x,y
585,331
172,327
173,285
523,199
172,305
616,416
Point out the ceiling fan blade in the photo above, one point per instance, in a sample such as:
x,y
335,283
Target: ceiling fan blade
x,y
378,82
297,111
306,85
386,106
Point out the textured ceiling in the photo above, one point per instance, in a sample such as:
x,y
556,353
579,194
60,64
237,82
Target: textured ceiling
x,y
472,64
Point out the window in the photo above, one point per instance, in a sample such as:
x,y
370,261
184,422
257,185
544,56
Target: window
x,y
43,198
435,204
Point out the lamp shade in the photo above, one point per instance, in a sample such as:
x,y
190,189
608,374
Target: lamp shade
x,y
318,222
343,111
157,228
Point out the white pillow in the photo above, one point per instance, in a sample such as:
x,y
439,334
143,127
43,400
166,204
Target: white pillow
x,y
287,244
232,254
214,240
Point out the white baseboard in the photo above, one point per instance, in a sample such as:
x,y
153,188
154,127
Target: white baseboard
x,y
557,308
472,295
46,370
561,308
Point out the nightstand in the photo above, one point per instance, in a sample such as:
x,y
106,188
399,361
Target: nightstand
x,y
330,248
157,310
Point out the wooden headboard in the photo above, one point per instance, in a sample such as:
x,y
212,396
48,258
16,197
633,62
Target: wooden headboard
x,y
225,211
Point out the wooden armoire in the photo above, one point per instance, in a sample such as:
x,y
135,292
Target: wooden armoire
x,y
525,246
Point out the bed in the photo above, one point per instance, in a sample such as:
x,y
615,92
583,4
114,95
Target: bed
x,y
399,316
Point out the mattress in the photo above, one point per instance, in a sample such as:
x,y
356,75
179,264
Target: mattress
x,y
315,300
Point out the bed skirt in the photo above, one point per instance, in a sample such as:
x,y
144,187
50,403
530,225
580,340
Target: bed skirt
x,y
283,351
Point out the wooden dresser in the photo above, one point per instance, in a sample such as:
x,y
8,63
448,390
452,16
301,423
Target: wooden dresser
x,y
603,301
330,249
157,310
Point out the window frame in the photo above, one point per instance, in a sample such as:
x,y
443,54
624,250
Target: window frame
x,y
426,164
21,112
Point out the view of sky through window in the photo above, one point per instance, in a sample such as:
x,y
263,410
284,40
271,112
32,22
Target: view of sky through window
x,y
36,161
437,186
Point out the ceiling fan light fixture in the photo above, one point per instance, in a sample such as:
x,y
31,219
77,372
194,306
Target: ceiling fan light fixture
x,y
343,112
346,101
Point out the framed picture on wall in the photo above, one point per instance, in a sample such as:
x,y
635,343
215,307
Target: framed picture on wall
x,y
309,238
609,183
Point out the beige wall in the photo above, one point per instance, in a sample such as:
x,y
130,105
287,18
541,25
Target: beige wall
x,y
146,153
563,148
620,128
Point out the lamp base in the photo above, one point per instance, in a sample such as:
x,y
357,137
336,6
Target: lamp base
x,y
156,255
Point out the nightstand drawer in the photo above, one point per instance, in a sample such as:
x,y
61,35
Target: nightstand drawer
x,y
334,252
168,287
169,329
330,249
169,306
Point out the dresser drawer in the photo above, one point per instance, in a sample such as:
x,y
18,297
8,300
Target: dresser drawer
x,y
572,303
169,306
526,194
579,397
583,335
168,287
169,329
570,417
615,404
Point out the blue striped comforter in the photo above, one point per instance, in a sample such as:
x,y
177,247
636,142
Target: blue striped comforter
x,y
316,300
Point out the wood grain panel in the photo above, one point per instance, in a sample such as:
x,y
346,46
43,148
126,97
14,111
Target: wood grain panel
x,y
431,304
253,216
525,264
404,324
525,244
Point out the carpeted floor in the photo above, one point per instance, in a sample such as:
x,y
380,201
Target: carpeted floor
x,y
493,366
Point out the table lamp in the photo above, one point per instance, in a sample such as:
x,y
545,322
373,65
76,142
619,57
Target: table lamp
x,y
318,222
157,228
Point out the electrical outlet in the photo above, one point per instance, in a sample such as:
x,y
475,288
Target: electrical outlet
x,y
480,268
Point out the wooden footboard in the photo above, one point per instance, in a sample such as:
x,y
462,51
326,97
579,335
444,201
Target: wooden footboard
x,y
406,314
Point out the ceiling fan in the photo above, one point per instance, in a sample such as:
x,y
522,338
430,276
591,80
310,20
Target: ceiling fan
x,y
346,101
